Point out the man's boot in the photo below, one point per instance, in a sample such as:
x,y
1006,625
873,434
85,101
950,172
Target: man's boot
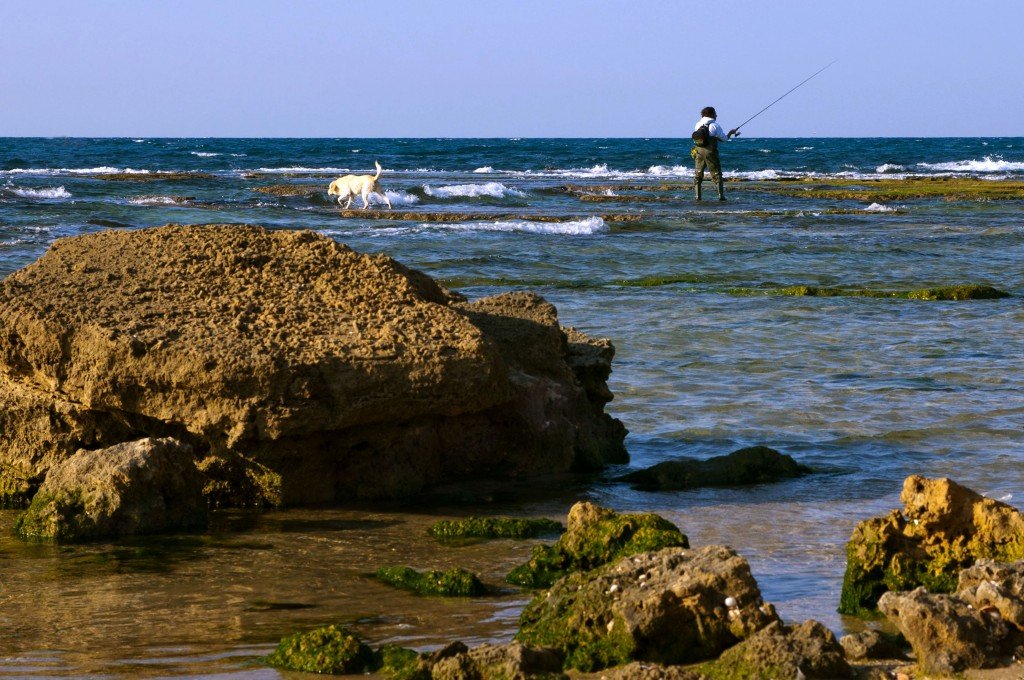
x,y
721,190
697,189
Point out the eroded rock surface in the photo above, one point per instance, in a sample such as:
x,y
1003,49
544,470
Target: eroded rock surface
x,y
345,375
808,650
943,528
947,634
670,606
141,487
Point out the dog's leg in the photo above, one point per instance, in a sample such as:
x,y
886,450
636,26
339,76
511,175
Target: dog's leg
x,y
386,199
349,204
366,200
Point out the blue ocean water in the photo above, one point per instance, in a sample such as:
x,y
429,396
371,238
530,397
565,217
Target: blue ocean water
x,y
865,390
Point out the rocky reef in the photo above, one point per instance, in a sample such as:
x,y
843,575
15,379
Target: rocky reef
x,y
943,528
750,465
297,370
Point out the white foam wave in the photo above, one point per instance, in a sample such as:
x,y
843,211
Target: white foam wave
x,y
205,154
57,192
889,167
484,169
102,170
770,173
300,169
584,227
804,148
398,198
880,208
158,200
986,164
490,190
670,171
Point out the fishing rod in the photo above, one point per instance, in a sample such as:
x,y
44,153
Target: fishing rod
x,y
737,128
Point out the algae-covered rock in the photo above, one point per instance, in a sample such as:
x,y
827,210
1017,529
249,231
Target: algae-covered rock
x,y
147,486
671,606
595,536
808,650
333,650
456,582
943,528
513,661
399,663
455,530
946,633
750,465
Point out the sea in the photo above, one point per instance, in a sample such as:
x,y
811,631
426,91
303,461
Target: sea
x,y
864,390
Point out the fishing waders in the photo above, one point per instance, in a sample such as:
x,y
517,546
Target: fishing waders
x,y
707,157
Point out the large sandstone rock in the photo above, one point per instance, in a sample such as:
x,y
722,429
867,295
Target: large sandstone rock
x,y
347,375
513,661
671,606
943,528
141,487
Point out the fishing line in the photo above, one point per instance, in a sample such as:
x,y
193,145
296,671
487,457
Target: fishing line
x,y
785,95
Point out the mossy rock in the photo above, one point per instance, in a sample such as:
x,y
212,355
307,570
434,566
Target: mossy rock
x,y
943,528
453,531
456,582
595,537
333,650
750,465
399,663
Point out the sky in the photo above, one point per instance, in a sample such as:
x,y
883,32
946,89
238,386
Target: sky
x,y
522,68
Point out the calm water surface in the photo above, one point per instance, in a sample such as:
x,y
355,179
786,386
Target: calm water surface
x,y
864,390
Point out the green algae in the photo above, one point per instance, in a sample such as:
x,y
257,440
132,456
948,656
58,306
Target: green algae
x,y
331,650
943,293
454,531
455,582
399,663
578,629
55,518
609,538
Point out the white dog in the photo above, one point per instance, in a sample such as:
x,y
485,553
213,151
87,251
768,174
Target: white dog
x,y
351,186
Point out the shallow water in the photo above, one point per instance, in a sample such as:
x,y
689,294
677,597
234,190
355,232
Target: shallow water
x,y
864,390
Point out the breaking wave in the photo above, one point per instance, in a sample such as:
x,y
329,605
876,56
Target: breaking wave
x,y
584,227
490,190
57,192
986,164
889,167
484,169
205,154
158,200
880,208
102,170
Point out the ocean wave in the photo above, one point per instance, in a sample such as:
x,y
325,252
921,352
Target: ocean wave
x,y
584,227
490,190
484,169
102,170
890,167
399,198
158,200
56,192
880,208
301,169
670,171
205,154
986,164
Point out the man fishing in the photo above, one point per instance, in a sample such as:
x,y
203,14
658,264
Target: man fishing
x,y
706,135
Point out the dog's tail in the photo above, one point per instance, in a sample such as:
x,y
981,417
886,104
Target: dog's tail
x,y
377,176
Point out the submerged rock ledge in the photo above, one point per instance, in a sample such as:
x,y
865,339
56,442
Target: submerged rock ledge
x,y
285,359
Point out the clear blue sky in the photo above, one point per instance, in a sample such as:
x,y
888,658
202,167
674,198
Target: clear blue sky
x,y
464,68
